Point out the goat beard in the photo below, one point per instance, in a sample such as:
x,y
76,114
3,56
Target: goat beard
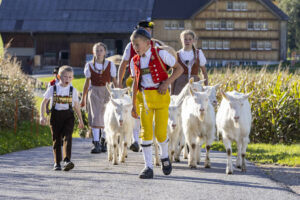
x,y
201,116
236,124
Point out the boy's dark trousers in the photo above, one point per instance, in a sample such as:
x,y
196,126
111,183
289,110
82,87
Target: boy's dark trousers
x,y
62,124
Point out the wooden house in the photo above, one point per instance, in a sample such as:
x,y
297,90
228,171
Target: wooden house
x,y
235,32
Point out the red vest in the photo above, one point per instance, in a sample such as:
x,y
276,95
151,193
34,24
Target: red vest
x,y
100,79
157,71
53,82
195,67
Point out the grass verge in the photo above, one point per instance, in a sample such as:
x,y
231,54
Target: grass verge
x,y
286,155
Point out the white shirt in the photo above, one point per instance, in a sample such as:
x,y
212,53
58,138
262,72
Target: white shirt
x,y
189,55
61,91
100,67
127,51
146,80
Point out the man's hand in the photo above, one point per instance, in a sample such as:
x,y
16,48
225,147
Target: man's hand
x,y
81,125
82,102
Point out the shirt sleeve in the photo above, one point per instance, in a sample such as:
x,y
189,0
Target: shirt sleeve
x,y
75,96
49,93
202,59
126,54
168,58
132,68
86,71
113,70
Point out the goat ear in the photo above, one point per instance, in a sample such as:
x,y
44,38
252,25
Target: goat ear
x,y
224,95
191,80
108,87
217,86
113,102
202,81
247,95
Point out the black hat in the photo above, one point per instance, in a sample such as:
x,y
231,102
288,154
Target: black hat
x,y
143,32
145,24
55,70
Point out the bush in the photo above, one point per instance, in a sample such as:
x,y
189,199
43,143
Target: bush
x,y
275,101
14,85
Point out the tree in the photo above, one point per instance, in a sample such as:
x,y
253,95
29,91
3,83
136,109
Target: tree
x,y
292,9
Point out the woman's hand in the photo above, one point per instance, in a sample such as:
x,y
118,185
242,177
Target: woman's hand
x,y
163,87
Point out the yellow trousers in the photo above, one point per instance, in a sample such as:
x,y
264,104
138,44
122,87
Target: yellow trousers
x,y
158,112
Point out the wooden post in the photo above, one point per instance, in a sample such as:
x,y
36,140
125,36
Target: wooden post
x,y
16,117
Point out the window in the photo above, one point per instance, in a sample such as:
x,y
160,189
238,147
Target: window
x,y
250,25
219,44
204,44
167,25
257,25
230,25
260,45
216,25
212,44
243,6
268,45
209,25
223,24
253,45
264,26
226,44
174,25
236,6
229,5
181,25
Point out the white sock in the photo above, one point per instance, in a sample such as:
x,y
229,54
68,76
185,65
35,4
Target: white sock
x,y
136,130
102,133
95,134
147,153
163,149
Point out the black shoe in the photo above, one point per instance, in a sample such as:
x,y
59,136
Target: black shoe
x,y
147,173
57,167
135,147
68,165
96,148
166,166
103,147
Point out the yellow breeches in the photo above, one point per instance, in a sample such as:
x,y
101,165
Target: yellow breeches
x,y
158,111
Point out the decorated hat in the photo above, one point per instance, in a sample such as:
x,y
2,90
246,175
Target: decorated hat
x,y
145,24
143,32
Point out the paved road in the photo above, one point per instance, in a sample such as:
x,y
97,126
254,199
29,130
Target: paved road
x,y
28,175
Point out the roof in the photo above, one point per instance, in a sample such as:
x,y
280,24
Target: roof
x,y
277,11
79,16
186,9
178,9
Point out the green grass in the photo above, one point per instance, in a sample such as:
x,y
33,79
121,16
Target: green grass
x,y
78,81
24,137
287,155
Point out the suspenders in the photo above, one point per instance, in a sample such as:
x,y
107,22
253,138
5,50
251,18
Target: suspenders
x,y
62,99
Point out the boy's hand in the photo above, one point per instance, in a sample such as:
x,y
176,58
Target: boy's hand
x,y
163,88
81,125
133,112
43,121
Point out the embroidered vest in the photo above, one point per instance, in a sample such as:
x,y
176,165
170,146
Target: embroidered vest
x,y
53,82
100,79
156,67
195,67
62,99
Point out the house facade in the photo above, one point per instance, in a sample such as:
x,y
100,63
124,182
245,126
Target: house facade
x,y
230,32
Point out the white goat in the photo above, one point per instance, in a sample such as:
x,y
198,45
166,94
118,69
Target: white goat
x,y
198,125
118,128
212,93
234,122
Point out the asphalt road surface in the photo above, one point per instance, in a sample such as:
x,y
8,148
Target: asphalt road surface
x,y
28,175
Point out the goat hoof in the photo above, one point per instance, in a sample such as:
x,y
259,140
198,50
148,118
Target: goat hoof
x,y
228,171
244,169
177,160
192,166
239,167
207,166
